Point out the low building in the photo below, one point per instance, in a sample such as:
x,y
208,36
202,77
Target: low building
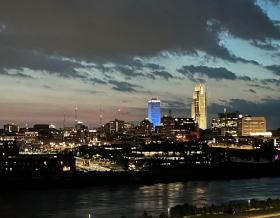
x,y
37,164
252,126
13,163
180,129
11,128
48,133
144,128
8,148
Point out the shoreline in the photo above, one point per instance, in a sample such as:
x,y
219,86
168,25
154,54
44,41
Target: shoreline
x,y
253,208
80,179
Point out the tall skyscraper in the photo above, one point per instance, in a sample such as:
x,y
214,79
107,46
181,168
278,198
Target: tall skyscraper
x,y
154,112
199,106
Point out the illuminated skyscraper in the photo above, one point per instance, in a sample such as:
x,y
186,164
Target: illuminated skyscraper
x,y
199,113
154,112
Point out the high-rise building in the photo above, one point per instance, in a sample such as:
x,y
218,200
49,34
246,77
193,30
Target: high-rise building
x,y
227,123
199,113
154,112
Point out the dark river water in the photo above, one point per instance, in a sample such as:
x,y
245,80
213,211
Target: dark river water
x,y
130,200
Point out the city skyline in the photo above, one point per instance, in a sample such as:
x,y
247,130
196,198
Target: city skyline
x,y
199,89
106,54
154,114
140,108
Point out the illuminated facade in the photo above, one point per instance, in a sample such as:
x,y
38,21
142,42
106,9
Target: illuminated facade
x,y
199,113
227,124
11,128
154,112
253,126
14,163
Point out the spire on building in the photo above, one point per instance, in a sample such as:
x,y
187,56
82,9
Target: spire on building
x,y
64,120
100,116
76,114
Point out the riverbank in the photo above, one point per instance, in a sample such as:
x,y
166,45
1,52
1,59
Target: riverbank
x,y
269,213
251,208
254,213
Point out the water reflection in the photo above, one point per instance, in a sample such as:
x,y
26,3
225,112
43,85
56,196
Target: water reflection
x,y
105,202
158,196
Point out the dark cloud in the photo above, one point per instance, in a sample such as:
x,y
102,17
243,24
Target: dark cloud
x,y
163,74
17,74
103,68
196,73
275,1
267,107
275,82
211,72
138,64
94,92
275,69
261,86
223,100
12,58
47,87
123,86
154,66
242,60
276,54
136,68
265,45
116,30
130,68
245,78
176,107
252,90
277,23
174,104
96,80
128,71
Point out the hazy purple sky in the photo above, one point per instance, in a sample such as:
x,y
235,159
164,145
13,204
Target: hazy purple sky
x,y
114,54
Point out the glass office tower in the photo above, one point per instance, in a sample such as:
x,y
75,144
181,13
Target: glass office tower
x,y
154,112
199,113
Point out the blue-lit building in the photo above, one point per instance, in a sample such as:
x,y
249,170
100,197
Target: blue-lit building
x,y
154,112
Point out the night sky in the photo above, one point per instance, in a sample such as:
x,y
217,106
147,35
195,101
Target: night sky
x,y
110,54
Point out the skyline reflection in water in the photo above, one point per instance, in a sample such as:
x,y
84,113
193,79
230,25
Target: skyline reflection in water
x,y
130,200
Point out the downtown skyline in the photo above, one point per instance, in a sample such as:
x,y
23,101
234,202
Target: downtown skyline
x,y
107,55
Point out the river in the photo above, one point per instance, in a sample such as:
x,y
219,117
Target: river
x,y
130,200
